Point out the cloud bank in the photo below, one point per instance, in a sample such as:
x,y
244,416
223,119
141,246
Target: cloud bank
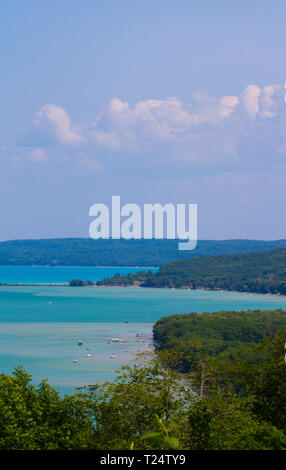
x,y
206,131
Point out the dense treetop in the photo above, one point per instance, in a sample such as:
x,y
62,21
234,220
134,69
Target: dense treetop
x,y
220,334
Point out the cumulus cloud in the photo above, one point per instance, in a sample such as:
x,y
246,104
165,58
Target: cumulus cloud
x,y
122,126
206,129
269,102
188,128
227,106
56,121
250,100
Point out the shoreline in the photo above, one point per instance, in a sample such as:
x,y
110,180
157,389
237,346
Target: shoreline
x,y
137,287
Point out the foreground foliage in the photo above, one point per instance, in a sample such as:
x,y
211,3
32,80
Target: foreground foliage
x,y
153,406
38,418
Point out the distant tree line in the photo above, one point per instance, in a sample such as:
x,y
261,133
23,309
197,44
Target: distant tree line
x,y
89,252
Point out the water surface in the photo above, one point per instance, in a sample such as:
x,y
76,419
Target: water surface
x,y
48,350
59,274
40,327
117,304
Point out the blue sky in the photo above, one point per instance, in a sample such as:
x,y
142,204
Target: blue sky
x,y
156,101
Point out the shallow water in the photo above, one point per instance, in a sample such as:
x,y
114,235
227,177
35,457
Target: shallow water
x,y
48,350
117,304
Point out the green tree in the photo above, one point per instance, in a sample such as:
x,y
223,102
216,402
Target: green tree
x,y
265,380
130,407
219,423
38,418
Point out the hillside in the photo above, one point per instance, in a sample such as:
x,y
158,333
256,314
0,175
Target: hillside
x,y
88,252
262,272
222,335
255,272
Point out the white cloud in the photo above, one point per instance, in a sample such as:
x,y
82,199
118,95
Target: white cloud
x,y
207,129
268,103
56,120
250,100
227,106
105,139
120,126
118,105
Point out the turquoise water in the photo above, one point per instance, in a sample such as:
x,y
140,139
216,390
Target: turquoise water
x,y
40,327
58,274
117,304
48,350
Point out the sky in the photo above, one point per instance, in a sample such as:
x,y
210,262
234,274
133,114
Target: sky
x,y
157,101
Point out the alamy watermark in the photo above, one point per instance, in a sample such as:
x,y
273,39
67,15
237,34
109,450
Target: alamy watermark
x,y
155,221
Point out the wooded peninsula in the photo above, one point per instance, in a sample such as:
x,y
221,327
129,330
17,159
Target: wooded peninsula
x,y
262,272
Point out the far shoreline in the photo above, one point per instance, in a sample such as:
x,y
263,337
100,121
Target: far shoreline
x,y
138,287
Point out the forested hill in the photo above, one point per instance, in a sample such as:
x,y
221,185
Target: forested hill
x,y
262,272
220,334
88,252
254,272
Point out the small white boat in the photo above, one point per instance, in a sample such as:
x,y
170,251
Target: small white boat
x,y
75,360
88,355
115,340
112,356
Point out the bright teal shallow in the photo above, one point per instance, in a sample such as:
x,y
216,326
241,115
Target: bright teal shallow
x,y
40,326
58,274
117,304
47,350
